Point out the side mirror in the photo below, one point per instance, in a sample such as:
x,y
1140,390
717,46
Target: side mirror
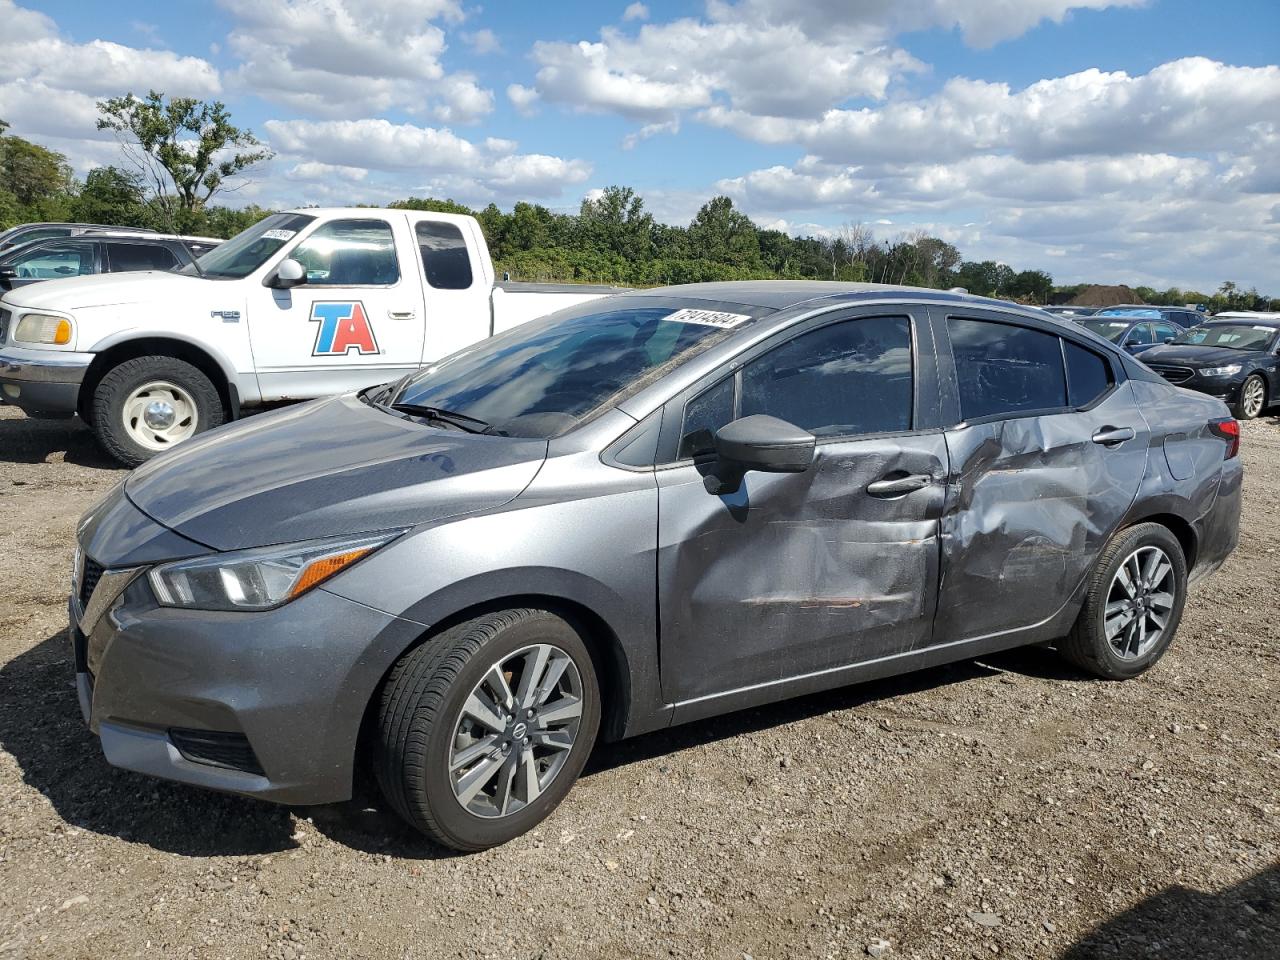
x,y
8,273
290,273
761,443
1167,340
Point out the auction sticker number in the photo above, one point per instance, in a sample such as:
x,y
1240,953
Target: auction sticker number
x,y
707,318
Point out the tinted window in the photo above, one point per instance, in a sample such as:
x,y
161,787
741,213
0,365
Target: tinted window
x,y
350,253
124,257
1164,331
48,261
1088,375
845,379
444,255
1006,370
1140,334
200,249
546,376
703,416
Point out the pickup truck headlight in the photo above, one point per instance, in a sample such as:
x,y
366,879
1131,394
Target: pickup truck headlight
x,y
44,328
1230,370
262,578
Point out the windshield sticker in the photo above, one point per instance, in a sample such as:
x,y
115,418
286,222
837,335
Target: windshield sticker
x,y
279,234
344,326
707,318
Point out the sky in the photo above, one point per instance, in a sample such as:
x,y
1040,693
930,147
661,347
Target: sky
x,y
1133,141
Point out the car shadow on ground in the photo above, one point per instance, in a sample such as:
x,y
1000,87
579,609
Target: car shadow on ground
x,y
41,727
1242,922
28,440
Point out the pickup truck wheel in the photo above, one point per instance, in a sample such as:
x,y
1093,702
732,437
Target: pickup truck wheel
x,y
482,730
148,405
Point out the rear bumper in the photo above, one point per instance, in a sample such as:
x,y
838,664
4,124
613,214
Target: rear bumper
x,y
42,382
1218,531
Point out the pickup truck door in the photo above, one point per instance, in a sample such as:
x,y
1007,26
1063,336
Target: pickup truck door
x,y
357,321
457,283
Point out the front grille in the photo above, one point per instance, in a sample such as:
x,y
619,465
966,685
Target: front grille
x,y
5,317
89,580
216,748
1173,374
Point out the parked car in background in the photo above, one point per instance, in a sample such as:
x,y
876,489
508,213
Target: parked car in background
x,y
1182,316
1131,332
1235,357
1069,311
26,232
302,304
100,252
639,511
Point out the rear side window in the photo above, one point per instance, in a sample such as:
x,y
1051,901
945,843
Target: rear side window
x,y
1088,375
126,257
1006,370
445,258
849,378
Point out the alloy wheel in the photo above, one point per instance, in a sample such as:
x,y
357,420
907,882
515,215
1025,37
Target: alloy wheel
x,y
1140,602
515,731
1254,394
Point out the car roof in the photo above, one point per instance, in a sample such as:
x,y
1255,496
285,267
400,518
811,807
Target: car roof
x,y
1245,316
783,294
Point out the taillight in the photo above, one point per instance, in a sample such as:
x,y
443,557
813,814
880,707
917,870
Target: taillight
x,y
1228,430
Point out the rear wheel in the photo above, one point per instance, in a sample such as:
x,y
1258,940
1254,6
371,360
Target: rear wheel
x,y
1253,398
148,405
1133,605
483,730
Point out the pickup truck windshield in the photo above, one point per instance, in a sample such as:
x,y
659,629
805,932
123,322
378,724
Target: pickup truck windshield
x,y
545,377
249,249
1236,336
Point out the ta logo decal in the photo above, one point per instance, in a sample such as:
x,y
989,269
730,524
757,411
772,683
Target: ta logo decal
x,y
344,326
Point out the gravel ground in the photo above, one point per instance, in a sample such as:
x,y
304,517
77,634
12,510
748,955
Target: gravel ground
x,y
1002,806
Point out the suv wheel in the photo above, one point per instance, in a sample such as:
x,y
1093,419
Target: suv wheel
x,y
482,730
1133,605
148,405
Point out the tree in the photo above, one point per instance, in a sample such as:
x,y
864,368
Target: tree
x,y
187,149
112,196
616,222
721,234
31,173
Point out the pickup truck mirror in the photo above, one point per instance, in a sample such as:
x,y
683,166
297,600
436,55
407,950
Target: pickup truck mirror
x,y
758,442
290,273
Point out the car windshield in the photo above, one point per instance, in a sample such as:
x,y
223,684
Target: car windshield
x,y
547,376
1111,330
1236,336
249,249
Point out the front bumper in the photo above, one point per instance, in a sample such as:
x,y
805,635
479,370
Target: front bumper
x,y
42,382
292,684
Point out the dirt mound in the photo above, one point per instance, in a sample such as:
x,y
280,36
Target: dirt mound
x,y
1099,295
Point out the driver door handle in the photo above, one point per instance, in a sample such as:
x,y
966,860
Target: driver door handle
x,y
400,314
899,486
1113,436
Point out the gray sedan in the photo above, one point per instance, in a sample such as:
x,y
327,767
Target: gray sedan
x,y
642,511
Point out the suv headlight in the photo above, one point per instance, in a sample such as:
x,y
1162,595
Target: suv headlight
x,y
1230,370
262,578
44,328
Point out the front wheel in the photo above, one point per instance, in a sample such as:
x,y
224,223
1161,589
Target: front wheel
x,y
148,405
1253,398
483,730
1133,605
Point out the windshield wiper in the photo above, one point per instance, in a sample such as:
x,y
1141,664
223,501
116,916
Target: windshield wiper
x,y
451,417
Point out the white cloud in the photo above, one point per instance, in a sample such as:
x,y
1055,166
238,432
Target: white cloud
x,y
483,41
635,11
524,99
311,170
650,130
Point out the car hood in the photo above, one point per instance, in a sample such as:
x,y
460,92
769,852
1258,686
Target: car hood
x,y
1192,355
104,290
327,468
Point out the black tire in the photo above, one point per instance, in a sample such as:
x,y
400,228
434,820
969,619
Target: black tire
x,y
1238,408
1087,646
114,389
418,714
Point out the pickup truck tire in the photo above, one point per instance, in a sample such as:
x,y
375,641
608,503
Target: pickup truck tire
x,y
482,730
147,405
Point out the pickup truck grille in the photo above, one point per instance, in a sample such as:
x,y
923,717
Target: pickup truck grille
x,y
5,317
1173,374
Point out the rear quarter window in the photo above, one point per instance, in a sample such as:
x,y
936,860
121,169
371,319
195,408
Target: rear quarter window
x,y
1088,374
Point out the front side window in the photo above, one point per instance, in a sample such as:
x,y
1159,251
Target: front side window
x,y
846,379
250,248
1140,335
48,261
350,253
445,258
1164,331
126,257
1006,370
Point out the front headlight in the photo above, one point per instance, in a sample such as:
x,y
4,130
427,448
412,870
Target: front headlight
x,y
262,578
44,328
1230,370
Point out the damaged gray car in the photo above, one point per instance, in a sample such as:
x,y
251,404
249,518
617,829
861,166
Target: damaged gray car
x,y
641,511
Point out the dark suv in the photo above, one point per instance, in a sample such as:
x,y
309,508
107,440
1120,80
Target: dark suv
x,y
27,232
102,252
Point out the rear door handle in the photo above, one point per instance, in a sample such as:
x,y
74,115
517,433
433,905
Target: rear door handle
x,y
899,486
400,314
1113,436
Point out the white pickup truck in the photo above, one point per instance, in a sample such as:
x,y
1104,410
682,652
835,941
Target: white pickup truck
x,y
302,304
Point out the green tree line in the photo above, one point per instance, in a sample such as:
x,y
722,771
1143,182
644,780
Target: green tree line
x,y
611,239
